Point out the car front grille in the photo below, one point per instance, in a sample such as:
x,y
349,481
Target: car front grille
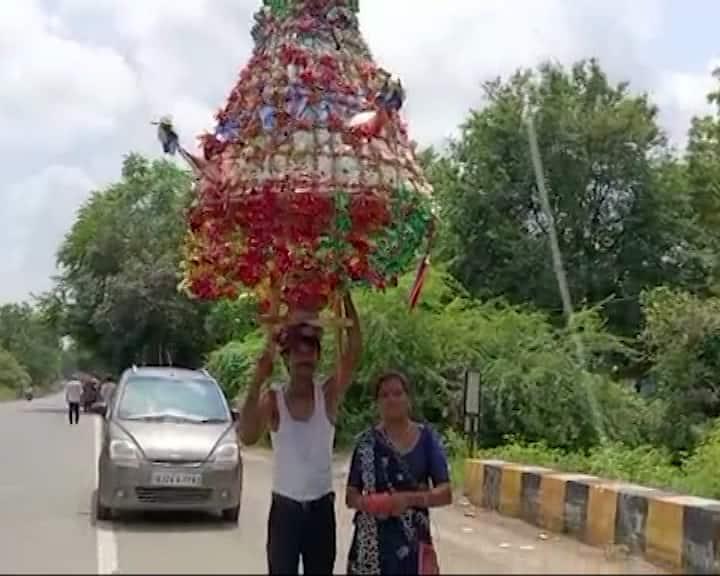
x,y
172,495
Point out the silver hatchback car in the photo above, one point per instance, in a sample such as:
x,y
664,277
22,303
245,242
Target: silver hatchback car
x,y
169,443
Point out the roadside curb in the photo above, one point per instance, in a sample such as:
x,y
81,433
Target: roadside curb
x,y
680,532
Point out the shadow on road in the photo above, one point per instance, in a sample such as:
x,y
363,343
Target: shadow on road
x,y
157,522
45,410
40,409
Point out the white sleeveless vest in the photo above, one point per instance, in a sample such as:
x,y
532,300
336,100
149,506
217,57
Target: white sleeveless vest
x,y
302,451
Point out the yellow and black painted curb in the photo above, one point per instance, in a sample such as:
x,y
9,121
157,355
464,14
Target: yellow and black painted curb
x,y
681,532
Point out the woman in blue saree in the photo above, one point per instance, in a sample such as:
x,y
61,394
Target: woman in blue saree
x,y
398,471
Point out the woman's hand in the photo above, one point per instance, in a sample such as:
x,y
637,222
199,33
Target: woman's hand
x,y
378,504
400,502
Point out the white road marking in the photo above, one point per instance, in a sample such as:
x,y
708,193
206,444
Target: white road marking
x,y
107,550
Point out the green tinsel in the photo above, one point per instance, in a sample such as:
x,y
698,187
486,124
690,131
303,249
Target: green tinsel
x,y
283,8
411,220
396,248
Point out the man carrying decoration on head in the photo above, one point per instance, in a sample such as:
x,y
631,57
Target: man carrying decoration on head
x,y
307,187
301,416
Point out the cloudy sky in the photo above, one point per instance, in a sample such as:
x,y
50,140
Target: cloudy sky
x,y
80,81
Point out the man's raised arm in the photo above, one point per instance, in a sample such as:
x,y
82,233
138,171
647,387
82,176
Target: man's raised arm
x,y
254,412
351,356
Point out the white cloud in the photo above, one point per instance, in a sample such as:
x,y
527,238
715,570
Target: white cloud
x,y
37,212
55,90
82,80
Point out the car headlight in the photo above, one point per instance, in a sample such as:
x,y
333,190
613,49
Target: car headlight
x,y
226,455
124,453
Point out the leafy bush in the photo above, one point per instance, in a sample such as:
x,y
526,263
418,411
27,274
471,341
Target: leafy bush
x,y
627,418
12,375
533,386
647,465
233,364
682,337
457,450
701,468
229,320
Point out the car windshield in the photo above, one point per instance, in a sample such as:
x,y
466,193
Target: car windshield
x,y
172,399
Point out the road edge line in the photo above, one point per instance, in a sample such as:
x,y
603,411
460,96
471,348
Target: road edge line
x,y
107,549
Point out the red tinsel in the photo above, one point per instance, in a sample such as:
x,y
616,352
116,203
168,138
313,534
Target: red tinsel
x,y
290,54
368,213
212,146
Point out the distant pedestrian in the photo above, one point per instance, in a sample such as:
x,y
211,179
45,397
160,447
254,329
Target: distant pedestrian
x,y
73,397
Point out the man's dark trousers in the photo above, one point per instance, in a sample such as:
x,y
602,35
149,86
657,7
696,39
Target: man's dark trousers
x,y
301,530
74,412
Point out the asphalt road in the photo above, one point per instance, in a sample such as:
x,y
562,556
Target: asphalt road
x,y
47,483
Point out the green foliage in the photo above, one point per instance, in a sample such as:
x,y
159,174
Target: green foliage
x,y
682,337
602,150
627,417
120,271
35,346
233,364
13,377
533,386
457,449
229,320
703,158
647,465
701,468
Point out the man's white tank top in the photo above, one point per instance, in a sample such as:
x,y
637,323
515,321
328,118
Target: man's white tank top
x,y
302,451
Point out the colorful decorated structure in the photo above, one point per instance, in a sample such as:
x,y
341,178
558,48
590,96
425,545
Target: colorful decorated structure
x,y
309,184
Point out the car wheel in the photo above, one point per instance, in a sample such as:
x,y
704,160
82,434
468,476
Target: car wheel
x,y
231,515
103,513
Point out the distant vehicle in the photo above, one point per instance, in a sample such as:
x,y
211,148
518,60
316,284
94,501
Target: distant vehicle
x,y
169,443
29,394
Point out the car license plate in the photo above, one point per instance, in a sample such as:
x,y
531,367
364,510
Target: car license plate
x,y
183,479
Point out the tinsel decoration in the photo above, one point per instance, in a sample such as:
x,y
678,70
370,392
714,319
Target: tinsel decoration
x,y
310,185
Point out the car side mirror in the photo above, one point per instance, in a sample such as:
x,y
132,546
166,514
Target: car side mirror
x,y
235,415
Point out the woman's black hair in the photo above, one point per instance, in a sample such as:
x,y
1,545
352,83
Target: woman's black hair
x,y
391,375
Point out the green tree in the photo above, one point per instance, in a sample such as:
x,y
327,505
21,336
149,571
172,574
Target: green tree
x,y
703,180
703,157
604,158
12,376
35,347
120,271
